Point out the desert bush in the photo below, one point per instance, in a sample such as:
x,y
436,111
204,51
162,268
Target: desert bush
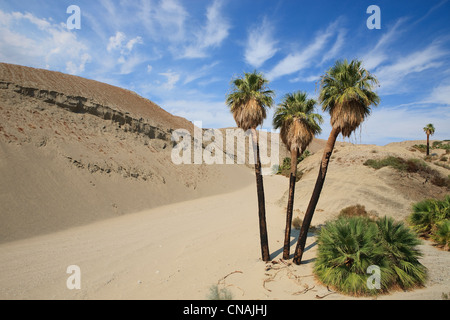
x,y
442,234
400,248
411,166
354,211
431,218
285,168
421,147
349,245
219,294
441,145
297,223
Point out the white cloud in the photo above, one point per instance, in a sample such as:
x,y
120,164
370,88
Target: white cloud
x,y
379,53
50,45
115,42
164,20
130,44
72,68
200,73
211,35
338,44
391,76
213,114
172,79
295,62
405,123
127,60
261,45
440,95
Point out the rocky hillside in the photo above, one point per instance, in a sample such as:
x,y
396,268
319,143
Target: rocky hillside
x,y
73,151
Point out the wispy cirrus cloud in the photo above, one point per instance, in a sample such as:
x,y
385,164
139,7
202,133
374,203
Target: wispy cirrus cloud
x,y
211,35
381,51
164,20
261,44
295,62
392,76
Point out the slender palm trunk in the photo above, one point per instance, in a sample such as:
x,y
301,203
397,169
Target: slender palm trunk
x,y
315,196
428,144
261,201
290,206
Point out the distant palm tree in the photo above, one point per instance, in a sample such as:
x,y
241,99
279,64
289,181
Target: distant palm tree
x,y
299,124
248,102
346,92
429,130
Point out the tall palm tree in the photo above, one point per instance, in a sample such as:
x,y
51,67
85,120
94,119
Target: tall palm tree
x,y
429,130
346,92
248,101
299,124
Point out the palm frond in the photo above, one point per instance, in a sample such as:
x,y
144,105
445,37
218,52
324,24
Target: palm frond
x,y
296,118
249,100
346,92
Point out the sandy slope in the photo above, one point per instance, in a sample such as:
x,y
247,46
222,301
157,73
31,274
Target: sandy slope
x,y
177,252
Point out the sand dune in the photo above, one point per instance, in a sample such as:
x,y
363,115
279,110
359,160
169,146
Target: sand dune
x,y
87,180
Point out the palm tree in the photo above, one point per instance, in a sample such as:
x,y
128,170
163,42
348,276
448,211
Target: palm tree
x,y
248,101
347,94
298,126
429,130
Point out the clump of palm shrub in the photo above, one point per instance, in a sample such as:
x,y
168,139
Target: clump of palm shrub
x,y
430,218
349,245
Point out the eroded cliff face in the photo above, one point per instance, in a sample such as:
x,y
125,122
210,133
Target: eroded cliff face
x,y
83,105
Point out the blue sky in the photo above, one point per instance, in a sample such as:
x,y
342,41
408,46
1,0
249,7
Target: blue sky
x,y
182,54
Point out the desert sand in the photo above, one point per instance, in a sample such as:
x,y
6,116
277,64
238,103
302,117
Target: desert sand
x,y
83,188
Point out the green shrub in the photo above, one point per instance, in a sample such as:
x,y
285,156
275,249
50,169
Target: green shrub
x,y
427,213
349,245
431,218
400,248
442,234
421,147
285,168
411,166
441,145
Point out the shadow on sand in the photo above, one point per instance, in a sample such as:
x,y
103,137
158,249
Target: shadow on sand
x,y
295,233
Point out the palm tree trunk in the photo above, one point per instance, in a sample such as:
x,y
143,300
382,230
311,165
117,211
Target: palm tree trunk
x,y
315,196
261,201
428,144
290,206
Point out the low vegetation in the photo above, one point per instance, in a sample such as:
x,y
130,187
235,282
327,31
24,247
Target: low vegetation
x,y
431,219
285,168
411,166
348,246
445,145
356,211
219,294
